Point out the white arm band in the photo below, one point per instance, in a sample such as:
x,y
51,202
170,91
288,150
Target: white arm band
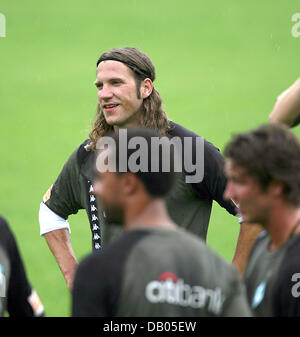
x,y
50,221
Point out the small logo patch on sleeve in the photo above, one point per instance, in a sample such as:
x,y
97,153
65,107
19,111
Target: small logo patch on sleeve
x,y
36,303
47,194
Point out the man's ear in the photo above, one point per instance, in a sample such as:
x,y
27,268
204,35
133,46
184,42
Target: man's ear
x,y
129,183
146,88
276,188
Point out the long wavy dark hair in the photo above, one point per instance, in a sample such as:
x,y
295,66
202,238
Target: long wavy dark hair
x,y
152,115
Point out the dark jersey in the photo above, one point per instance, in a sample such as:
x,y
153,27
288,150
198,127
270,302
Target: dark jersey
x,y
272,278
153,272
189,204
16,294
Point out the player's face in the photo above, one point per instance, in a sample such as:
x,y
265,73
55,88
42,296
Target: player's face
x,y
107,188
117,94
254,203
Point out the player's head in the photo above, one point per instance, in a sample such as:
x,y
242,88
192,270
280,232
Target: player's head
x,y
263,167
126,93
131,170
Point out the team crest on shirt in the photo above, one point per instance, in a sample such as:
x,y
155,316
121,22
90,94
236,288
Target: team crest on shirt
x,y
47,194
259,294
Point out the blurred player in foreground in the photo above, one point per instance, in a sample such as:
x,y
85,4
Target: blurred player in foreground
x,y
155,268
287,107
16,294
263,171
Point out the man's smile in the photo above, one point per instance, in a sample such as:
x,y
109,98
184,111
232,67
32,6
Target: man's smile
x,y
110,107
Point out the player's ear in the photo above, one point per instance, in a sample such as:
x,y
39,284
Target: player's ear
x,y
276,188
146,88
128,183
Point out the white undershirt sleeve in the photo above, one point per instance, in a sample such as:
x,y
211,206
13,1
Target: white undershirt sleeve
x,y
50,221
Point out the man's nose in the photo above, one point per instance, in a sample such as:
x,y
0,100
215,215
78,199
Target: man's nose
x,y
105,92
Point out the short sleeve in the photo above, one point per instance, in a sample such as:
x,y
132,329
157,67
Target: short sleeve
x,y
214,181
63,198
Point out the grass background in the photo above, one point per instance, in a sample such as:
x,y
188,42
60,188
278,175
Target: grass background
x,y
220,66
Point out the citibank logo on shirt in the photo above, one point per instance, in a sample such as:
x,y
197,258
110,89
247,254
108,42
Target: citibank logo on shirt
x,y
173,290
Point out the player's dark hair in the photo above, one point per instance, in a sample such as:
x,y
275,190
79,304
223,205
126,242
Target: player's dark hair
x,y
269,153
152,115
158,183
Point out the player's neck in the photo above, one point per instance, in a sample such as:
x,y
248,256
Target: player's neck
x,y
283,224
150,214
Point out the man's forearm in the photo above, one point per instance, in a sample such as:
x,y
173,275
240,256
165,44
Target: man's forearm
x,y
246,239
60,245
287,107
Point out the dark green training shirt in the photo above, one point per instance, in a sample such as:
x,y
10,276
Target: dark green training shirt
x,y
189,204
153,272
272,278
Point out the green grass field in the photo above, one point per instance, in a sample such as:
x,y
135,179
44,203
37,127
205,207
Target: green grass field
x,y
220,66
